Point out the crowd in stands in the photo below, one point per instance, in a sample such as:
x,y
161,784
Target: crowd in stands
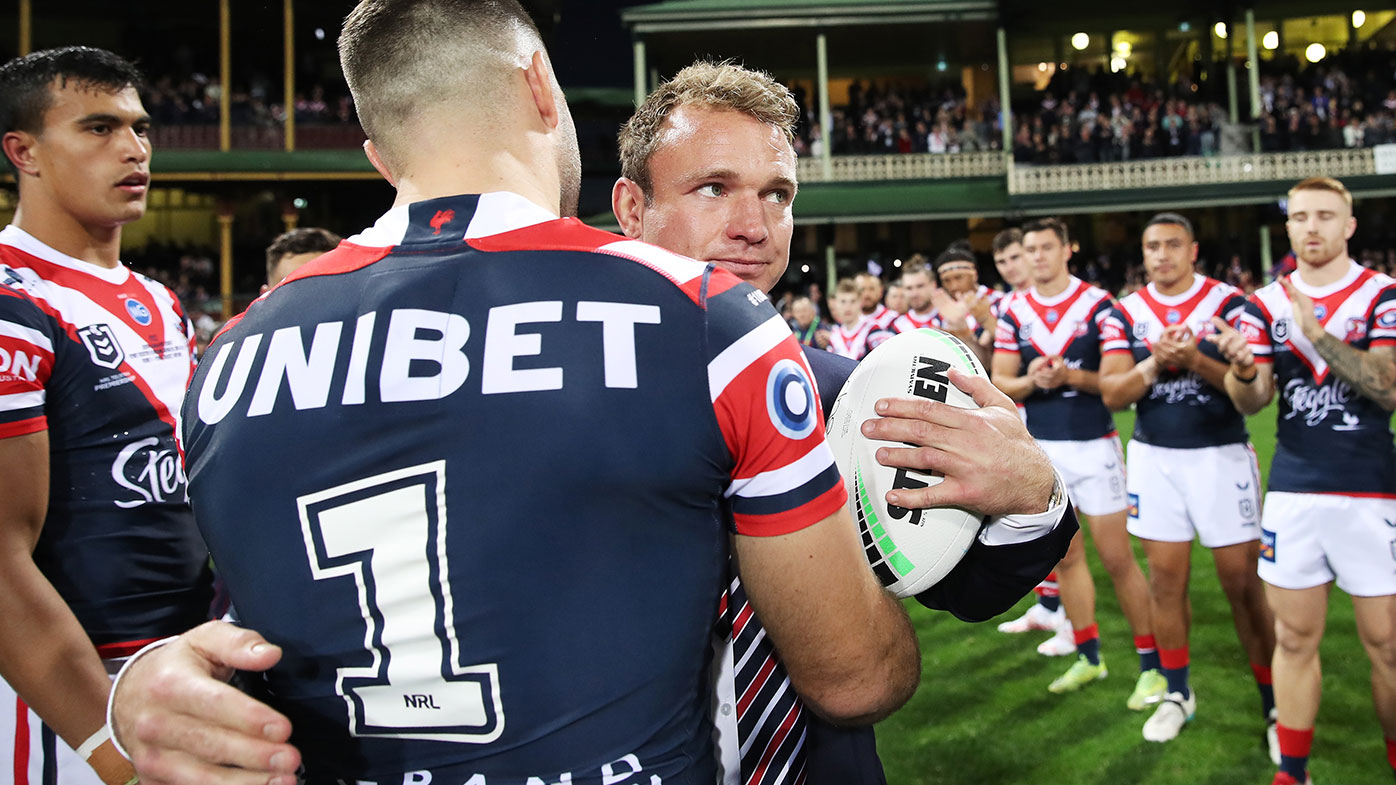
x,y
194,99
1087,115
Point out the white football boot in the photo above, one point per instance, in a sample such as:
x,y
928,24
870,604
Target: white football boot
x,y
1060,645
1036,618
1272,737
1171,715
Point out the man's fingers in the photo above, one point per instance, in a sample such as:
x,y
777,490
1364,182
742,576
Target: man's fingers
x,y
1222,328
943,494
215,744
235,647
981,389
173,767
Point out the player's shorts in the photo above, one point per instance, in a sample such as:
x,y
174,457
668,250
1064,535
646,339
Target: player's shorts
x,y
1093,470
1309,539
1210,492
31,752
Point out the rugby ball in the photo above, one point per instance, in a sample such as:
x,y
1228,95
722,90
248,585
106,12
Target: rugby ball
x,y
909,550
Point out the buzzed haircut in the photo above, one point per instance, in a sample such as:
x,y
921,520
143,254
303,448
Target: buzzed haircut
x,y
723,86
404,57
1006,238
1323,184
307,239
1171,219
957,252
1049,225
25,83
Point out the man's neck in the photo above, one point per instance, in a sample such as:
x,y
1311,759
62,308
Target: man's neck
x,y
1176,287
479,174
59,230
1321,275
1055,286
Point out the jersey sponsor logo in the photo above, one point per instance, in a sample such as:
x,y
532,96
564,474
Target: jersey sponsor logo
x,y
102,345
441,218
1267,545
1051,316
1280,330
1314,404
151,473
1387,319
138,312
1173,316
790,400
1180,389
1250,331
1084,327
19,366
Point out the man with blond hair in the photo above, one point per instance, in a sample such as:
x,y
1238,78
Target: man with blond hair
x,y
1324,339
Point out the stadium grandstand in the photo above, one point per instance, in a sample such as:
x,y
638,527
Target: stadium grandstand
x,y
922,123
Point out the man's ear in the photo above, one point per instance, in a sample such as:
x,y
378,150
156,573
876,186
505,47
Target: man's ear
x,y
628,204
376,158
539,77
19,149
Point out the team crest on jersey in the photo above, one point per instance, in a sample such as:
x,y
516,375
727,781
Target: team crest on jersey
x,y
1141,330
1280,330
1026,331
1356,329
1387,319
137,311
1174,316
1082,328
1247,509
102,345
790,400
1320,311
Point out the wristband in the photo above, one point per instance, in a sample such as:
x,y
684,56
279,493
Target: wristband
x,y
1254,373
102,736
111,697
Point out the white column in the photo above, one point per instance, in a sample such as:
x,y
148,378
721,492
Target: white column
x,y
825,115
640,86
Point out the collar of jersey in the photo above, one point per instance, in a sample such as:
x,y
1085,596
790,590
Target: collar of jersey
x,y
1072,285
496,213
1354,270
16,237
1177,299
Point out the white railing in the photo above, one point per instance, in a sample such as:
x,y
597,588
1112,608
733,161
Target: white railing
x,y
1170,172
909,166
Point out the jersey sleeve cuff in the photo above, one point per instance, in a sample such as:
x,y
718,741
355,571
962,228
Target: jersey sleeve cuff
x,y
1014,529
23,427
804,516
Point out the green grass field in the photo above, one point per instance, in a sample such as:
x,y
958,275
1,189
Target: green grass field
x,y
983,716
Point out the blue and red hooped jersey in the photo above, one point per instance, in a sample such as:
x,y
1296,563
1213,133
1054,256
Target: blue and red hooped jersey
x,y
99,359
1330,439
1181,410
1072,326
470,471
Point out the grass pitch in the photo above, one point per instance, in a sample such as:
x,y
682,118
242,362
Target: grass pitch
x,y
983,716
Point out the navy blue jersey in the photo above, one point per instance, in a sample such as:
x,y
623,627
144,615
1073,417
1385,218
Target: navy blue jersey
x,y
1181,409
1071,326
1330,439
469,470
99,358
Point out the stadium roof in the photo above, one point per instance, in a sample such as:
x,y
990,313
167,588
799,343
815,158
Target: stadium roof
x,y
693,15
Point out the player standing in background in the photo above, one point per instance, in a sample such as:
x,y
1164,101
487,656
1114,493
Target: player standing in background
x,y
916,278
1325,338
1191,471
849,338
746,224
963,307
895,299
1046,614
872,309
1047,355
294,248
100,550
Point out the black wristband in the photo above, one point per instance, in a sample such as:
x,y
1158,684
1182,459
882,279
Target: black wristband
x,y
1255,372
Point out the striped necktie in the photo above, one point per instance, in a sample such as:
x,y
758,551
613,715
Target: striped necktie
x,y
770,717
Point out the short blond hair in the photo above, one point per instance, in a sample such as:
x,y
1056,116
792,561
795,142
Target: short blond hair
x,y
1330,184
724,85
845,286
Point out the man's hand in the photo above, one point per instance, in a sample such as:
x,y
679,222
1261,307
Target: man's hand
x,y
1303,307
1176,347
1231,344
1050,374
952,312
821,339
978,307
990,463
184,725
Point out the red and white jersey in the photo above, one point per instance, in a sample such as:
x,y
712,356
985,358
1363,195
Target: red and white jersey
x,y
882,317
853,343
99,359
911,320
1330,439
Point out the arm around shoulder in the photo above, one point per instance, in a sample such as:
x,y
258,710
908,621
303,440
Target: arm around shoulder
x,y
848,644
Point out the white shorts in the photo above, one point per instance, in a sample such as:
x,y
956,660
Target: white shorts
x,y
23,736
1309,539
1210,492
1094,472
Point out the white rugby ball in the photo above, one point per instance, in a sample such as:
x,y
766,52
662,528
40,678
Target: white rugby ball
x,y
909,550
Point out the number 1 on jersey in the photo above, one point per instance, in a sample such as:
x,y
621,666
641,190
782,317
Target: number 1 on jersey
x,y
388,534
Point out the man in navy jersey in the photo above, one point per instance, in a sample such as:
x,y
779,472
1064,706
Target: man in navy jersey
x,y
737,218
100,550
464,586
705,163
1192,472
1324,338
1047,355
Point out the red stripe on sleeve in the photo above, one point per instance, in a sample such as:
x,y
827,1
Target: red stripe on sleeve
x,y
23,427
